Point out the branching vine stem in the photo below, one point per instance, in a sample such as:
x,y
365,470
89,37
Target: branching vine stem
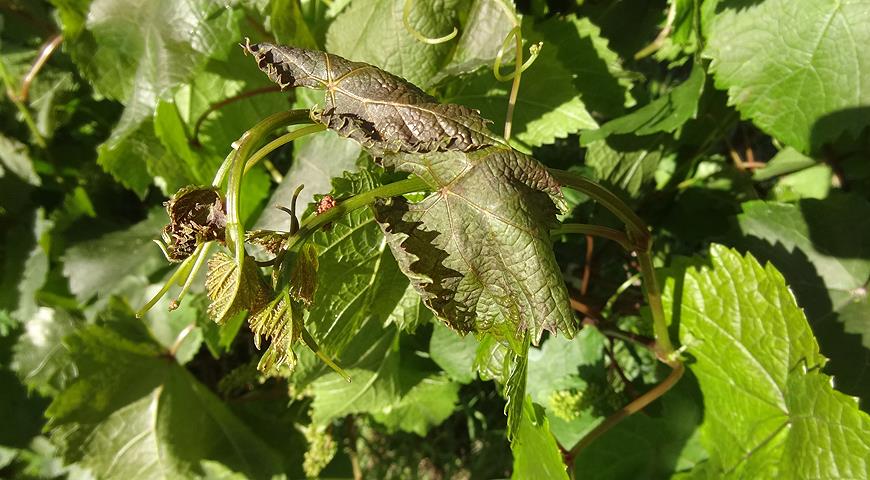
x,y
315,222
639,239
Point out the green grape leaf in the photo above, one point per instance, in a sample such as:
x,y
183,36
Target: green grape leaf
x,y
536,454
766,404
372,31
229,293
15,157
664,114
426,404
454,353
359,282
626,163
786,161
134,413
541,114
478,249
99,267
822,247
379,110
481,36
39,358
140,52
280,322
600,79
797,69
556,365
372,390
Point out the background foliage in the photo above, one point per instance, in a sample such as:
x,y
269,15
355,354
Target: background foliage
x,y
736,128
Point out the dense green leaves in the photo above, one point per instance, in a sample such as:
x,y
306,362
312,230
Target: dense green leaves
x,y
109,106
796,68
134,412
766,403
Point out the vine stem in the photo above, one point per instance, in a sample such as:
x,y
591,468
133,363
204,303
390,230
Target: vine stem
x,y
595,230
280,141
635,406
639,239
247,143
314,222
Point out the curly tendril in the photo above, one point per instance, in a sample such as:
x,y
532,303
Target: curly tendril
x,y
406,15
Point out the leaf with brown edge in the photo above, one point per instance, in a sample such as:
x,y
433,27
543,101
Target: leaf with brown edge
x,y
280,322
303,274
383,112
196,215
478,248
230,295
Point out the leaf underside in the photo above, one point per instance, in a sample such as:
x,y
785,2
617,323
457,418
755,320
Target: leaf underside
x,y
383,112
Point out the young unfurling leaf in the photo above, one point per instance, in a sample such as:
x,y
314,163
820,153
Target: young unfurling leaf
x,y
383,112
221,285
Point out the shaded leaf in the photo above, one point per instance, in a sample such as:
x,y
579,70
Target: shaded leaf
x,y
133,412
40,359
99,267
390,45
427,404
542,114
454,353
15,157
664,114
821,247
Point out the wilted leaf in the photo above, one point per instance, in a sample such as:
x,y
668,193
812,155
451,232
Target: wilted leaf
x,y
478,249
381,111
196,215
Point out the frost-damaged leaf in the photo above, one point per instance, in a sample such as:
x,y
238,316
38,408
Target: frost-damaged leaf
x,y
798,68
478,249
381,111
135,413
303,275
228,294
196,215
768,410
279,322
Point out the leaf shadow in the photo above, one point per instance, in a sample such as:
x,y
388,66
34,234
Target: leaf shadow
x,y
844,351
829,129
